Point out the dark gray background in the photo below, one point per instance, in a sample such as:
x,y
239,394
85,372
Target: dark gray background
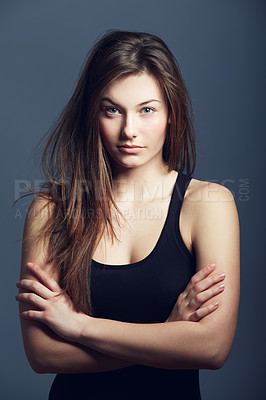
x,y
221,51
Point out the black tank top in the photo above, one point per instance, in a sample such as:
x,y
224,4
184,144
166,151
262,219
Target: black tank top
x,y
141,292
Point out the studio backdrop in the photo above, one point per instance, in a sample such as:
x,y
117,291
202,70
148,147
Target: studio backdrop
x,y
220,48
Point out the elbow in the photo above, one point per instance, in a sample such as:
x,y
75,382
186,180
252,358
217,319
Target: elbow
x,y
216,362
217,347
38,369
217,357
39,364
36,366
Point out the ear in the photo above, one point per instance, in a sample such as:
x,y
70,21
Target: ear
x,y
169,120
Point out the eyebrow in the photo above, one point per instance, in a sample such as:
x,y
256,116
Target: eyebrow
x,y
118,105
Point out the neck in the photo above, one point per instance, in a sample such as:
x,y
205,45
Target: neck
x,y
142,183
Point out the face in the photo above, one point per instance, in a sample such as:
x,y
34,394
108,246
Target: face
x,y
133,121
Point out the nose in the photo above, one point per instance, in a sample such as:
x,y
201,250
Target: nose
x,y
130,128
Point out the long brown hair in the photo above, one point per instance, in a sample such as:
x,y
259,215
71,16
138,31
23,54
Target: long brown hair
x,y
76,165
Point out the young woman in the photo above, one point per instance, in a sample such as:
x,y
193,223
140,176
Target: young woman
x,y
118,292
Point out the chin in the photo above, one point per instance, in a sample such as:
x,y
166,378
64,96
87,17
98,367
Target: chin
x,y
127,164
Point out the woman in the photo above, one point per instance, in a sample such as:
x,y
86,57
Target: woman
x,y
119,298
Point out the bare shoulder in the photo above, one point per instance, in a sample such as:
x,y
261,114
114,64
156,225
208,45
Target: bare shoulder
x,y
209,203
34,244
203,191
38,214
202,196
39,210
205,203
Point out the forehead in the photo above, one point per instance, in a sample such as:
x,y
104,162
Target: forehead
x,y
134,89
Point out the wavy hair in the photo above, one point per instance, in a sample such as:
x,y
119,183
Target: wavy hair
x,y
78,175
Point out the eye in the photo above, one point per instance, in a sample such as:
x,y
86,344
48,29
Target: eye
x,y
147,110
111,110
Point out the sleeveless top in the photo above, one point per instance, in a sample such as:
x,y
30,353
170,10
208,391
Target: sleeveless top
x,y
140,292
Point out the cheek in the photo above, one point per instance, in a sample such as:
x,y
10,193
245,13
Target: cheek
x,y
158,131
109,129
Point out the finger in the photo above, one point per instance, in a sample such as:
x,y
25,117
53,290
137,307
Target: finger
x,y
202,297
31,298
44,276
32,314
208,282
35,287
208,294
203,312
198,277
201,274
195,300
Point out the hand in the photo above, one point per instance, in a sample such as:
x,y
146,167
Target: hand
x,y
200,288
51,305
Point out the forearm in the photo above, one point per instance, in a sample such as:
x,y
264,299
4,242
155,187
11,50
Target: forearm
x,y
170,345
72,358
48,353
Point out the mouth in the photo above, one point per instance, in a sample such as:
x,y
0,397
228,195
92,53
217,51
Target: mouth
x,y
128,146
130,149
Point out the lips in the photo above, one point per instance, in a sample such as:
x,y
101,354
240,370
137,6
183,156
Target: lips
x,y
131,146
130,149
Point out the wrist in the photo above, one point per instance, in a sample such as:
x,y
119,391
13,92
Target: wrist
x,y
85,329
82,327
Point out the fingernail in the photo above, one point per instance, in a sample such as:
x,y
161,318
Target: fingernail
x,y
29,264
211,266
221,287
216,304
222,275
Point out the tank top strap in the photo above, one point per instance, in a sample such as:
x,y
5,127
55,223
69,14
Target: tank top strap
x,y
178,194
179,191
